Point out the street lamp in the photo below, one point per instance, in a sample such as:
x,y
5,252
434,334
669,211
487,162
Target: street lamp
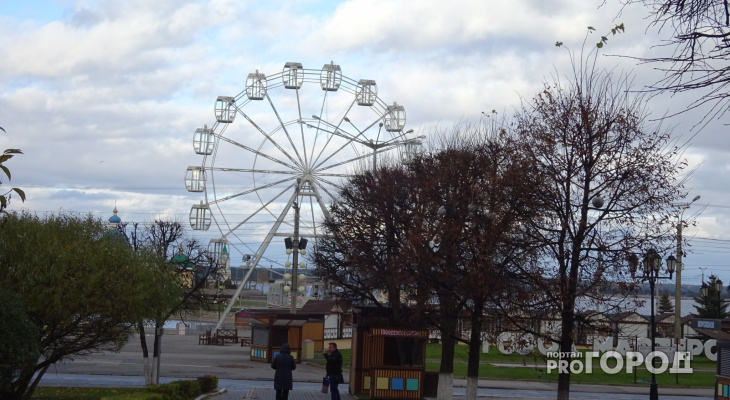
x,y
295,246
652,264
718,290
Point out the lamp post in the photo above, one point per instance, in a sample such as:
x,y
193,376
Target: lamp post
x,y
652,264
718,290
295,246
373,144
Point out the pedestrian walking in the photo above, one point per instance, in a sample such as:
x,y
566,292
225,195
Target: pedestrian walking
x,y
284,365
334,369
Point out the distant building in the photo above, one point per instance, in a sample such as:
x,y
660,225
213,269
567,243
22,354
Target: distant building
x,y
114,220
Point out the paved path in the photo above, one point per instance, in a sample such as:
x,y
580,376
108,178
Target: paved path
x,y
182,357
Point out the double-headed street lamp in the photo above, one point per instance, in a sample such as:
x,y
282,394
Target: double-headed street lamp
x,y
652,265
295,246
718,291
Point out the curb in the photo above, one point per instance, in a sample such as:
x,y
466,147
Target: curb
x,y
213,394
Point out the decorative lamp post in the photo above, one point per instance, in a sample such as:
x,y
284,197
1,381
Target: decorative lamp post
x,y
652,265
295,246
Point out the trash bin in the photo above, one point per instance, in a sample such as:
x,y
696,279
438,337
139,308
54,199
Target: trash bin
x,y
307,350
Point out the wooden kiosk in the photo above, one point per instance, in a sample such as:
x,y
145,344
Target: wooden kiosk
x,y
388,362
719,330
270,330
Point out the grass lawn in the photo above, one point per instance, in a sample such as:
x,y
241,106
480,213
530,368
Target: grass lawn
x,y
703,375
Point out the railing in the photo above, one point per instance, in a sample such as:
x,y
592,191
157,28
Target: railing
x,y
331,333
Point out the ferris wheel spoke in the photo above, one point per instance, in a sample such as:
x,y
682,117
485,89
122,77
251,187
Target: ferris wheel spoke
x,y
258,171
258,153
341,163
320,121
317,185
301,129
335,129
334,175
256,189
286,132
321,180
262,208
268,137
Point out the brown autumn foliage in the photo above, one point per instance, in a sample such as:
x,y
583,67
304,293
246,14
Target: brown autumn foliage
x,y
609,189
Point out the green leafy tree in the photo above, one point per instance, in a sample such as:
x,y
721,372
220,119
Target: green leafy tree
x,y
6,195
665,305
80,286
19,343
712,304
188,262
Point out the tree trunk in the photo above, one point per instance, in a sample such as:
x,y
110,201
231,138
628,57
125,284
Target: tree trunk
x,y
475,347
448,342
566,345
146,362
156,355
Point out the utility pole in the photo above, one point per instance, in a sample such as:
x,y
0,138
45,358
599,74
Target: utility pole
x,y
680,267
678,288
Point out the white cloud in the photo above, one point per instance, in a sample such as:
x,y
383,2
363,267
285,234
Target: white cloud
x,y
128,82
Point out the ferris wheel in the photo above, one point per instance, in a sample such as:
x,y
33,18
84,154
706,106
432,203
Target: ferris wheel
x,y
288,141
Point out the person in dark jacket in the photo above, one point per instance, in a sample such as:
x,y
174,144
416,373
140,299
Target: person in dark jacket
x,y
283,364
334,369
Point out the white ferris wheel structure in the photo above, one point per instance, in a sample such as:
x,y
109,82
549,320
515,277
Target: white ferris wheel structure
x,y
286,143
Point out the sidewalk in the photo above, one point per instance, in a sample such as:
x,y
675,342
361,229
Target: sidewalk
x,y
183,358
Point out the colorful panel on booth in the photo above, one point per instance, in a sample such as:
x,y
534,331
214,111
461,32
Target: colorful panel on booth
x,y
396,384
381,383
411,384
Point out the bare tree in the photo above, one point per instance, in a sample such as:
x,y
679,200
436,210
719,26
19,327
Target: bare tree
x,y
365,244
609,185
442,227
474,195
699,50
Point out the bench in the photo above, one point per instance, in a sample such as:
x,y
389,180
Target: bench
x,y
245,341
204,338
227,335
207,338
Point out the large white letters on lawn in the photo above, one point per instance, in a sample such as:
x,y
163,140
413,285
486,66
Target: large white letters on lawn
x,y
508,343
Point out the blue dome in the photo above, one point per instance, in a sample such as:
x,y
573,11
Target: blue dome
x,y
114,219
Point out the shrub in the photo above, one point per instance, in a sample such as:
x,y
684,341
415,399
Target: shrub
x,y
208,383
177,390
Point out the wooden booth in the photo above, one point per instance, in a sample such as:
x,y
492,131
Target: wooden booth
x,y
719,330
270,330
388,362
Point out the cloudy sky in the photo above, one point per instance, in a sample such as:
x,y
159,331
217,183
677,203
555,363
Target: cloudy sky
x,y
103,97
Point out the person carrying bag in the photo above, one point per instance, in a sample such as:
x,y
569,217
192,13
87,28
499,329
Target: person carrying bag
x,y
334,370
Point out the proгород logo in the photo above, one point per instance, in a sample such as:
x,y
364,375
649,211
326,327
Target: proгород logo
x,y
656,362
